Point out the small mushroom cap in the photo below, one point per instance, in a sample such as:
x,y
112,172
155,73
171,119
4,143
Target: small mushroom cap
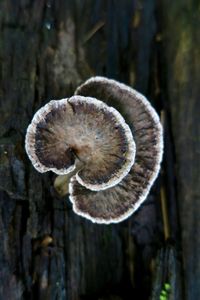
x,y
84,133
119,202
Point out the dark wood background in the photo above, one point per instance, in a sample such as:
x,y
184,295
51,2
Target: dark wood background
x,y
46,49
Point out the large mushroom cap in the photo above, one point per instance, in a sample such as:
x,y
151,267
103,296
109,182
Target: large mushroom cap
x,y
117,203
84,131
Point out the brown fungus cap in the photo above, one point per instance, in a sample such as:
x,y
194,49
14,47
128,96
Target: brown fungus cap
x,y
83,133
119,202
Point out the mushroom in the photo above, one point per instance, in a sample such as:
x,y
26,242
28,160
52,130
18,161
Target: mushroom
x,y
81,135
119,202
109,174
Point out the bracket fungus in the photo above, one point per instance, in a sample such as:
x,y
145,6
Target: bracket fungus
x,y
111,159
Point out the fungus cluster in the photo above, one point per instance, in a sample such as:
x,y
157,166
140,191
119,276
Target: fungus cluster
x,y
111,159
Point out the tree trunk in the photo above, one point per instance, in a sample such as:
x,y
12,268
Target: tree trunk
x,y
47,49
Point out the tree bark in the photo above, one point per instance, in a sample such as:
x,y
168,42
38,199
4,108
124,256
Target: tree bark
x,y
182,63
47,49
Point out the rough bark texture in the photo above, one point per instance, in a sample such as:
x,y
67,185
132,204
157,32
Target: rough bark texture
x,y
182,64
46,49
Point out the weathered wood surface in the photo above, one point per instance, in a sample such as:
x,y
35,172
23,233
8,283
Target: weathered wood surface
x,y
181,41
46,49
